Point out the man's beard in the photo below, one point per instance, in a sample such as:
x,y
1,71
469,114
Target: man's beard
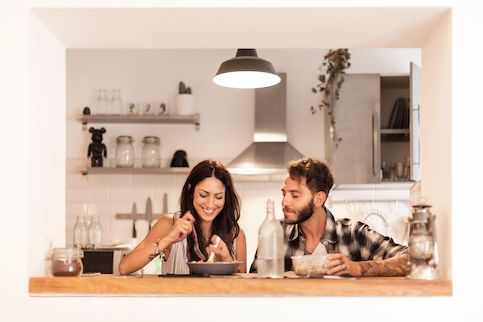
x,y
303,214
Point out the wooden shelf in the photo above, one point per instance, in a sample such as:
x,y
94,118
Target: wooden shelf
x,y
237,285
142,119
86,171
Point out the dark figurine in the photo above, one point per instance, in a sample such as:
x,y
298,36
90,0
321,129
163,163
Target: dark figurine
x,y
86,111
179,159
97,148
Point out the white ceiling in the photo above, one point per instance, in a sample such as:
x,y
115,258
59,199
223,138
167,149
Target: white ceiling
x,y
241,27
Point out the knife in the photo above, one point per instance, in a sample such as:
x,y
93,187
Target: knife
x,y
134,216
165,204
149,212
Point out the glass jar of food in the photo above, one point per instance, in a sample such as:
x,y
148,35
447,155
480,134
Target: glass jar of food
x,y
124,152
66,262
151,152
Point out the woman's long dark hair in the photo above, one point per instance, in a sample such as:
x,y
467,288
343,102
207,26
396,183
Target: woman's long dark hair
x,y
225,224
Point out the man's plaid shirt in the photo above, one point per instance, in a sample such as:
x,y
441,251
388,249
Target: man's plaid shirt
x,y
353,239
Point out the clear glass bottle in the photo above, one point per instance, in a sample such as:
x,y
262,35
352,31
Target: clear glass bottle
x,y
95,232
80,233
124,152
270,256
98,102
116,102
103,102
151,152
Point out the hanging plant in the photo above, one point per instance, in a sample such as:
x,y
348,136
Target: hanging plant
x,y
330,78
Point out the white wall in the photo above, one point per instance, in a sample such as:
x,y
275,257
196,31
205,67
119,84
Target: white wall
x,y
47,139
436,134
16,305
152,75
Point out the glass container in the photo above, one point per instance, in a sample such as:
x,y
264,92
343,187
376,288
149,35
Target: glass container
x,y
80,233
95,232
66,262
270,258
124,152
423,248
151,154
103,106
116,102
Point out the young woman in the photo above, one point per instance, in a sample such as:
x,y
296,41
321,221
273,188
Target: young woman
x,y
210,208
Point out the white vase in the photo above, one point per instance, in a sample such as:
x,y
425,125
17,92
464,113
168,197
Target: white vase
x,y
185,104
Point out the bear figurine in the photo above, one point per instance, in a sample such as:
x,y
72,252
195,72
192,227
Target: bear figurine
x,y
97,148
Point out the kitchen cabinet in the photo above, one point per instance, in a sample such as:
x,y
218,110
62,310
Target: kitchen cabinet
x,y
375,133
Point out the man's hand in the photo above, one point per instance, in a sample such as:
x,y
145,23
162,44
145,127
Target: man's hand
x,y
340,265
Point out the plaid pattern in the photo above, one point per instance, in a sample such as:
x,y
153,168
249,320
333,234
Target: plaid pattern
x,y
353,239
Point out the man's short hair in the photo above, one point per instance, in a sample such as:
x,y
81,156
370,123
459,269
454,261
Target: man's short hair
x,y
316,173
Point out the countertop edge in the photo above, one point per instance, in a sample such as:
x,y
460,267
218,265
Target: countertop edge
x,y
153,286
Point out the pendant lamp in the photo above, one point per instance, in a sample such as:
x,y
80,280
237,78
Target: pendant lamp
x,y
246,70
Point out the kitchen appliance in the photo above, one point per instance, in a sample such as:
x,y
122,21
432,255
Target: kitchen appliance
x,y
104,260
270,152
423,246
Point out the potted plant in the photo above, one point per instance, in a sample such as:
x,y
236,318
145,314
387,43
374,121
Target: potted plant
x,y
184,100
331,78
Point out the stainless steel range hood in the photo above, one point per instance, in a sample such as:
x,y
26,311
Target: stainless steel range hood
x,y
270,152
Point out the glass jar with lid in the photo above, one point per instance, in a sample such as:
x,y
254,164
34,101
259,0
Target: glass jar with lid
x,y
124,152
151,152
66,262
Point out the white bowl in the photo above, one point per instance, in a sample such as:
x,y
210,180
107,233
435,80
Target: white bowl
x,y
308,265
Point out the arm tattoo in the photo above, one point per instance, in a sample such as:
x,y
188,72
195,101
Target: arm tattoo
x,y
395,266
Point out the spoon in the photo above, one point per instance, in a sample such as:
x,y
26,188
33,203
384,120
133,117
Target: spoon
x,y
212,255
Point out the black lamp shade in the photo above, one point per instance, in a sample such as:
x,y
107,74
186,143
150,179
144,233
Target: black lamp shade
x,y
246,70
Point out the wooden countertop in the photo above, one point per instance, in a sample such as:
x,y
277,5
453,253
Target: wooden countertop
x,y
239,285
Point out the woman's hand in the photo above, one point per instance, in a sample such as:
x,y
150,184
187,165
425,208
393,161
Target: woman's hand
x,y
222,254
339,265
181,229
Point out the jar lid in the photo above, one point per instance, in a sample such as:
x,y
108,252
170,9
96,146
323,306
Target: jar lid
x,y
151,139
67,253
124,139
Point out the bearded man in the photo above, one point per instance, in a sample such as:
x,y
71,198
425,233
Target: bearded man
x,y
354,249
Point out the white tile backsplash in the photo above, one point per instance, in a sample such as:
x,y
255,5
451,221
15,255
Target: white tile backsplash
x,y
111,180
139,195
154,180
87,194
